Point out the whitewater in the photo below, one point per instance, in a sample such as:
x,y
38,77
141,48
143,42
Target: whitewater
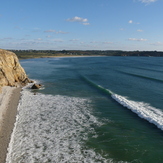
x,y
143,110
51,129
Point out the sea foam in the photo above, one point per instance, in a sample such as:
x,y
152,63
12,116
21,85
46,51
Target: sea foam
x,y
53,129
143,110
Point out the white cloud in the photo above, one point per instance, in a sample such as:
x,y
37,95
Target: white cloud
x,y
74,40
99,42
77,19
57,40
61,32
147,1
92,42
157,44
35,29
39,39
108,42
139,30
132,22
84,21
6,38
54,31
50,31
121,29
135,39
49,36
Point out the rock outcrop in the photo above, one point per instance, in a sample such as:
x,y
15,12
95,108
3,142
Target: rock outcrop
x,y
11,72
36,86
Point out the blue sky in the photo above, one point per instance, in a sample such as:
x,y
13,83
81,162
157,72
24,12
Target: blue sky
x,y
82,24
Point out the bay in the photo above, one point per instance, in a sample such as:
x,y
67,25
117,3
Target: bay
x,y
91,109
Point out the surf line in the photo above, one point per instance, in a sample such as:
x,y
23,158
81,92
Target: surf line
x,y
142,109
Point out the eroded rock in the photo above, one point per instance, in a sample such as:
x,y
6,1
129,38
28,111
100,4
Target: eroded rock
x,y
11,72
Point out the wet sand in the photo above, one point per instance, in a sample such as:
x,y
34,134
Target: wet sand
x,y
9,99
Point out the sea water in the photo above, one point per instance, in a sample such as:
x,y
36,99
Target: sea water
x,y
90,110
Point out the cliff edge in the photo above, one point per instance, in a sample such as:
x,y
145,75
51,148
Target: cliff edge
x,y
11,72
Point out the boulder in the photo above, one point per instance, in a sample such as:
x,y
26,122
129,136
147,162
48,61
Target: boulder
x,y
36,86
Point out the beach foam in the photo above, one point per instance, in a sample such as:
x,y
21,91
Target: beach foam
x,y
53,129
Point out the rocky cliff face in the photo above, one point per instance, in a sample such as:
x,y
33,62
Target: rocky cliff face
x,y
11,72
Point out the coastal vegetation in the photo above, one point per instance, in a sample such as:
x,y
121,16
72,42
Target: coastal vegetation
x,y
24,54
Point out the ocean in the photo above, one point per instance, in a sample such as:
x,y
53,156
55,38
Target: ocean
x,y
90,110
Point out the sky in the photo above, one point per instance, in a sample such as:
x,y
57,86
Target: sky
x,y
81,25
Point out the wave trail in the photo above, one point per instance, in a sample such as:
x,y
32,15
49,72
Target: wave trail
x,y
147,69
96,86
144,77
143,110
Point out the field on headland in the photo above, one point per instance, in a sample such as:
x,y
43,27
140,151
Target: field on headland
x,y
25,54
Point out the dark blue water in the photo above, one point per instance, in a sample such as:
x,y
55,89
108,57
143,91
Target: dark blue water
x,y
91,109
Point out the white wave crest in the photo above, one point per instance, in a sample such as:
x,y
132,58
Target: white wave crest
x,y
143,110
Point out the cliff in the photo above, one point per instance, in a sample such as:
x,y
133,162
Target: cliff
x,y
11,72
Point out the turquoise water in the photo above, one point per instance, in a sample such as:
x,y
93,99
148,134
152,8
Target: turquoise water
x,y
91,109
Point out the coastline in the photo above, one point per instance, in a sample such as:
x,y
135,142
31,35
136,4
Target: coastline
x,y
63,56
9,100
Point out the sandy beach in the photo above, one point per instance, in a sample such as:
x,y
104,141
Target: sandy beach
x,y
9,99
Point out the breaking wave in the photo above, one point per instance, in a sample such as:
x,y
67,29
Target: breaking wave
x,y
53,129
143,110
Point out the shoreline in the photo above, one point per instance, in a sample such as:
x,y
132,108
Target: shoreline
x,y
64,56
9,100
